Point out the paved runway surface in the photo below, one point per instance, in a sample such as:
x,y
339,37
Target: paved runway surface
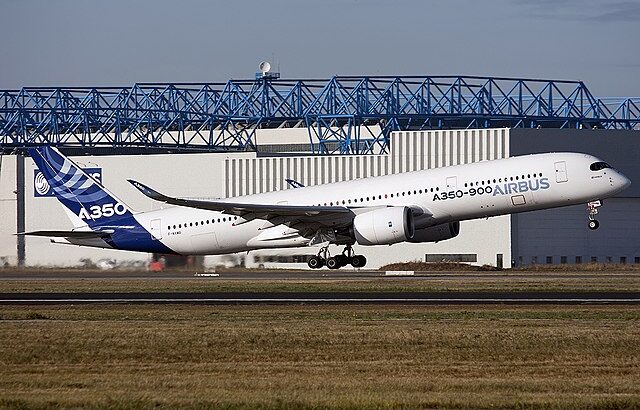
x,y
448,298
342,275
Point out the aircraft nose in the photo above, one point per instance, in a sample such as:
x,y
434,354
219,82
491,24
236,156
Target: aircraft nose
x,y
622,181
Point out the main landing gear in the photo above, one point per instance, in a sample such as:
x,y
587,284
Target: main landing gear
x,y
336,262
592,207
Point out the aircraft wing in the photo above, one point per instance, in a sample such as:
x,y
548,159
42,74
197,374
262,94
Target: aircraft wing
x,y
69,234
277,214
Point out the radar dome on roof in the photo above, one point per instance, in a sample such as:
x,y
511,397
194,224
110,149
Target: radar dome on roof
x,y
264,67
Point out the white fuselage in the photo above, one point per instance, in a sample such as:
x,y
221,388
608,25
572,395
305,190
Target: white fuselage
x,y
455,193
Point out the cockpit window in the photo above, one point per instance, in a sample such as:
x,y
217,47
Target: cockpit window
x,y
597,166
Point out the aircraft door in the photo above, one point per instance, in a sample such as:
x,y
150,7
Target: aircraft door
x,y
452,183
205,242
156,229
561,171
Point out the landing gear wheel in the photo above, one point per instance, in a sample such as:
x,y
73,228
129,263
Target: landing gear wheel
x,y
593,224
315,262
334,263
342,260
358,261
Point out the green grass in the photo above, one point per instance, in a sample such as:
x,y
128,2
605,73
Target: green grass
x,y
313,357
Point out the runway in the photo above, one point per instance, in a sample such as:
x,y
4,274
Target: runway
x,y
319,275
347,298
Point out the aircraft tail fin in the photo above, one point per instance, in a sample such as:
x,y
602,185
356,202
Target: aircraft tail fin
x,y
86,201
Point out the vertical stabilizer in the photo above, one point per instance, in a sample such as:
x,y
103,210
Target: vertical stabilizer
x,y
86,201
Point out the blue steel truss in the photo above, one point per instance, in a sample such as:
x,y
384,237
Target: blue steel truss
x,y
343,114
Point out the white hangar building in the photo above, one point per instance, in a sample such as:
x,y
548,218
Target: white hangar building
x,y
551,236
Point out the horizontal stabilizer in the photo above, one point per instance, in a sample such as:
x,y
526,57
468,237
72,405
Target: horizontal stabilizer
x,y
69,234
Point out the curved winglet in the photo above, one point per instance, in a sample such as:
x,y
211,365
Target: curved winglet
x,y
151,193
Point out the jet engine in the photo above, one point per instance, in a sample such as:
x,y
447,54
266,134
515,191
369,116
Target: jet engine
x,y
436,233
384,226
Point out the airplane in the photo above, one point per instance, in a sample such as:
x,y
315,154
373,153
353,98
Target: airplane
x,y
417,207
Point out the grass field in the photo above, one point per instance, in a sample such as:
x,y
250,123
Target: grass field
x,y
117,356
487,282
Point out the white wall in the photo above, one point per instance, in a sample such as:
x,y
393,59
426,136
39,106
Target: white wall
x,y
8,215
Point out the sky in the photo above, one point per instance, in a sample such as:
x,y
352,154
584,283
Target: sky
x,y
121,42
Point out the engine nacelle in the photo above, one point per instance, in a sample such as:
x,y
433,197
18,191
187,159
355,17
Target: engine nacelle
x,y
384,226
436,233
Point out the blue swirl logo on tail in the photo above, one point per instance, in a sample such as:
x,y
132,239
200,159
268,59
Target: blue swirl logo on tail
x,y
40,184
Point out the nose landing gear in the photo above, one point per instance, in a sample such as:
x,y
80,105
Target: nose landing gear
x,y
592,208
338,261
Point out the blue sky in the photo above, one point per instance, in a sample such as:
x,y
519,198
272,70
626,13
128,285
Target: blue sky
x,y
118,42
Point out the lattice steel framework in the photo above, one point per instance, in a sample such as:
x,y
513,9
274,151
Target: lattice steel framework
x,y
343,114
